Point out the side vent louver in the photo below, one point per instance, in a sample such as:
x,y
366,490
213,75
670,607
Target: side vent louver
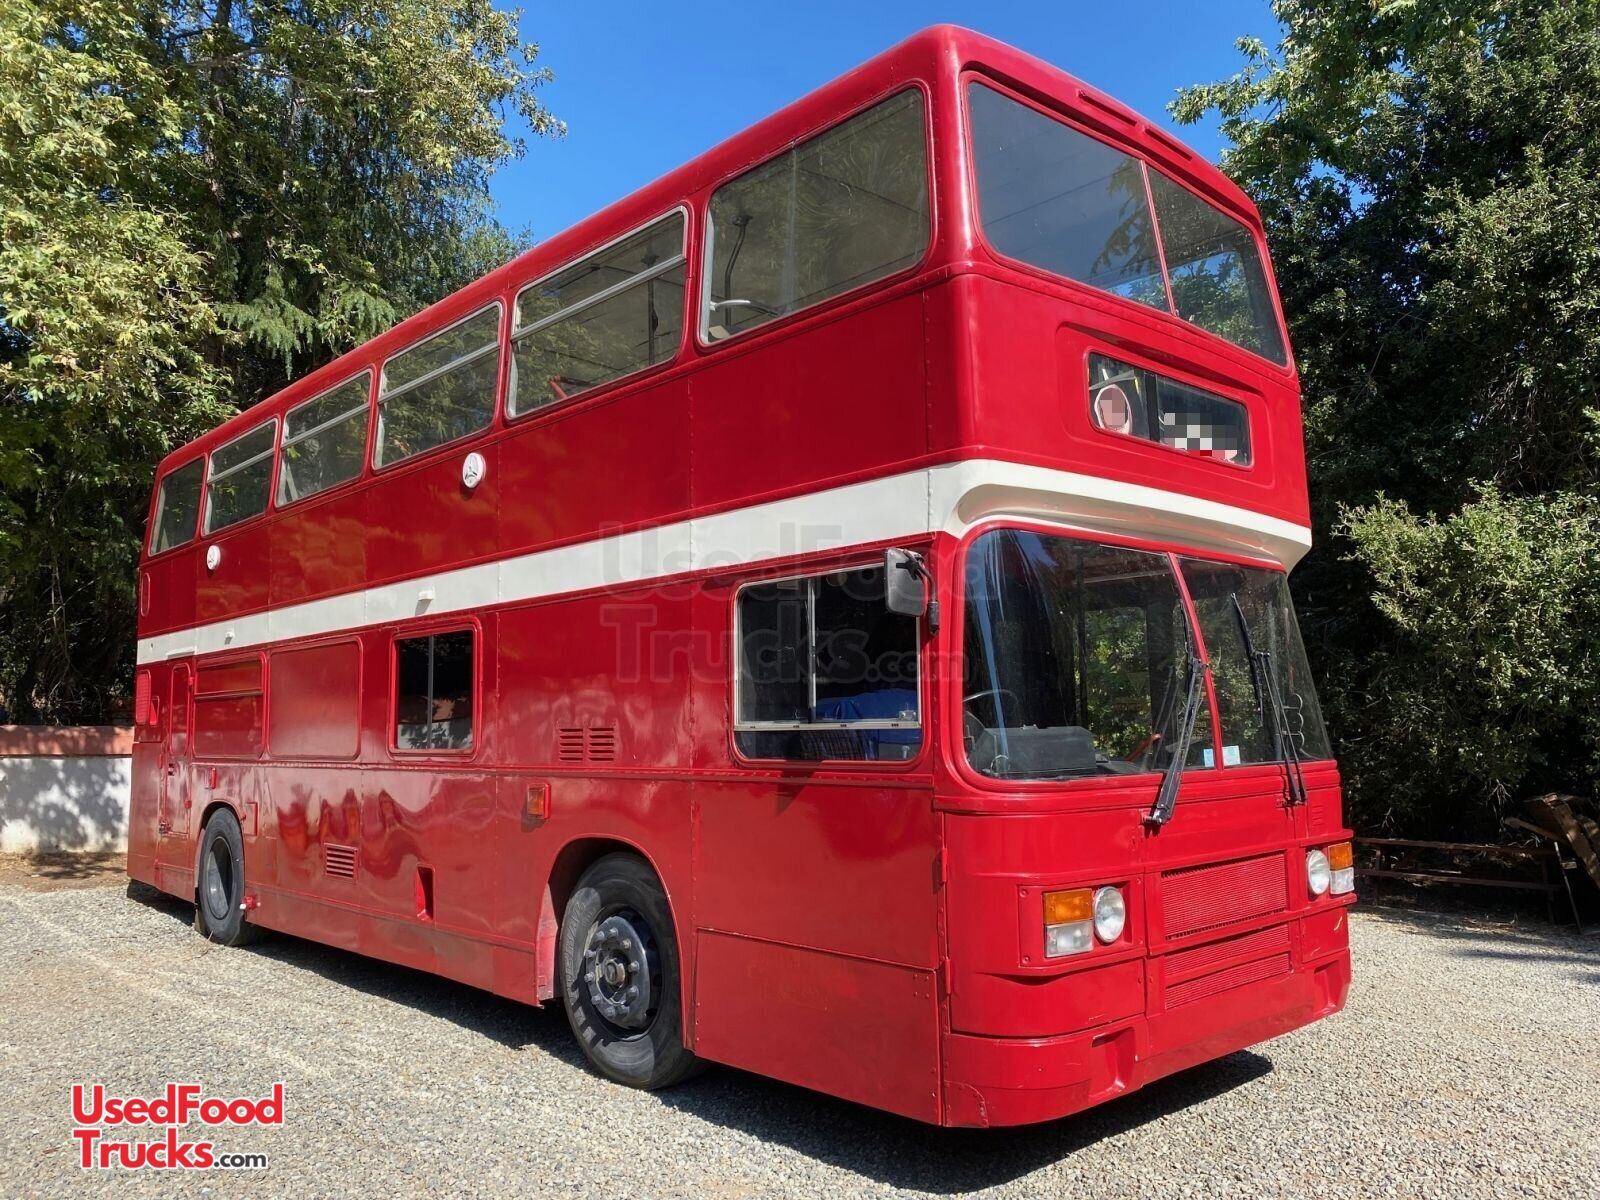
x,y
339,860
595,744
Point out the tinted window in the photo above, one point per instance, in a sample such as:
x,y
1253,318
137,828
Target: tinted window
x,y
177,507
1218,281
241,478
1058,199
846,207
614,313
826,670
1130,400
324,441
440,389
433,692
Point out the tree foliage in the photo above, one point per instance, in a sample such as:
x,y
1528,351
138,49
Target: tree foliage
x,y
197,202
1428,173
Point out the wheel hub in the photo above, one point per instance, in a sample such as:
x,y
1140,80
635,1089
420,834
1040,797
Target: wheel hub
x,y
618,965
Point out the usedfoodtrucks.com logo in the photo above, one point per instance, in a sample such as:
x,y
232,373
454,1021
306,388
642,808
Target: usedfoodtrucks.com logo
x,y
113,1131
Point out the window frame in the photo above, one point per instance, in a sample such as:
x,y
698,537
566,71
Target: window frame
x,y
382,397
196,697
736,658
1127,358
150,553
411,633
1082,126
212,476
515,332
708,233
285,440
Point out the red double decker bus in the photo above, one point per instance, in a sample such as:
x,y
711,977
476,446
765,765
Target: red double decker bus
x,y
824,614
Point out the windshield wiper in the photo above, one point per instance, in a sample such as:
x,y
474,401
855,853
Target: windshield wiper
x,y
1167,797
1266,681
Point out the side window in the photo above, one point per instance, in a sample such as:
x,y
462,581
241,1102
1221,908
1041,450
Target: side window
x,y
241,478
847,207
177,507
618,311
440,389
324,440
1137,403
1058,199
434,691
825,670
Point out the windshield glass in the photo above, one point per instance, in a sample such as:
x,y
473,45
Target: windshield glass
x,y
1056,198
1229,601
1077,659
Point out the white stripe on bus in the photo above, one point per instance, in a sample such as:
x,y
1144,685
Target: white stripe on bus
x,y
950,498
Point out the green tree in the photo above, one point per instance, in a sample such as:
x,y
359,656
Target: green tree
x,y
1427,170
199,201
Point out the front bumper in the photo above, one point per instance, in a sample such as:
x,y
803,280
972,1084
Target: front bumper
x,y
991,1081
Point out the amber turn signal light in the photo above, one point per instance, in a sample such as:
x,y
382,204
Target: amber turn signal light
x,y
1061,907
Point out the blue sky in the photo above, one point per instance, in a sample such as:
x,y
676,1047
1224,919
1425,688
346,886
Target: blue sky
x,y
645,87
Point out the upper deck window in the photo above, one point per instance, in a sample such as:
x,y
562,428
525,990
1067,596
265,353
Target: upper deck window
x,y
241,478
177,507
1056,198
611,314
840,210
324,440
440,389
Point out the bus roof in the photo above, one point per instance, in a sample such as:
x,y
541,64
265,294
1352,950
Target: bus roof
x,y
939,52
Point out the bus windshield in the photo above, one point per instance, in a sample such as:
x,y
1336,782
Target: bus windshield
x,y
1056,198
1078,659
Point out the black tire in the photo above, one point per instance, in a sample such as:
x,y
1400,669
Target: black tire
x,y
616,935
219,882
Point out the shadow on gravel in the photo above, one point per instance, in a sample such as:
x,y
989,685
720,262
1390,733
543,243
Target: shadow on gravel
x,y
907,1154
870,1143
507,1022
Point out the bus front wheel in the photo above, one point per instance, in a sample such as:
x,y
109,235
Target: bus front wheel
x,y
620,976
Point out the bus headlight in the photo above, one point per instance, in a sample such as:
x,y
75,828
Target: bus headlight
x,y
1318,873
1110,913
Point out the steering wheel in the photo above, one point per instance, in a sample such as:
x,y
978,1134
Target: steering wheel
x,y
1150,743
972,728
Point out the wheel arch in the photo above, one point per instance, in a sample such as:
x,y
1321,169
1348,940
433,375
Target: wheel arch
x,y
574,858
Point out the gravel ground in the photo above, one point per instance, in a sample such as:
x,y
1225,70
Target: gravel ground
x,y
1467,1064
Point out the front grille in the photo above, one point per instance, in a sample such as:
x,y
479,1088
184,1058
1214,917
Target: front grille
x,y
1195,899
1191,990
1198,958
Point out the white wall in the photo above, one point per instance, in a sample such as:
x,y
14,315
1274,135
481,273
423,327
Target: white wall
x,y
51,803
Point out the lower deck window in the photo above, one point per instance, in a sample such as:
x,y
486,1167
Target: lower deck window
x,y
826,671
433,691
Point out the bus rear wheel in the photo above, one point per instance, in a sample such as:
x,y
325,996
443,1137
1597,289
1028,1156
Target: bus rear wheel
x,y
219,890
620,975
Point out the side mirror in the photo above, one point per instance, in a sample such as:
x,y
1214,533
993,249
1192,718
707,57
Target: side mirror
x,y
905,583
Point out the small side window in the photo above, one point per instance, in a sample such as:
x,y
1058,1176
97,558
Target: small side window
x,y
440,389
433,691
616,312
177,507
838,211
826,671
324,440
241,478
1138,403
